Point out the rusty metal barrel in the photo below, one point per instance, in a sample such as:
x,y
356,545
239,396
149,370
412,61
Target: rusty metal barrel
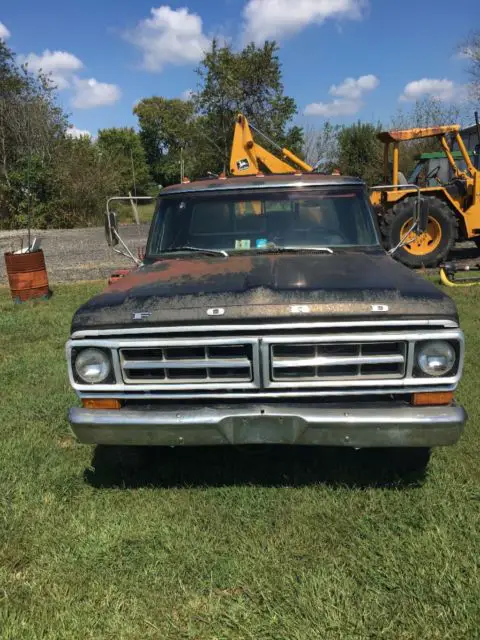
x,y
27,275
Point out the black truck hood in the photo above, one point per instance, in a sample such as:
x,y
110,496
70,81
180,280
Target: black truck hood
x,y
345,284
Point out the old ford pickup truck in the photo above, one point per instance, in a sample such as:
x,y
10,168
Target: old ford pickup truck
x,y
266,311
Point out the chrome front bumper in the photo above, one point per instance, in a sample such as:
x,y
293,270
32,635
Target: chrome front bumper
x,y
378,425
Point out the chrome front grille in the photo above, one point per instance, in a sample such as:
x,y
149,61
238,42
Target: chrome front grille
x,y
183,364
294,361
316,362
266,361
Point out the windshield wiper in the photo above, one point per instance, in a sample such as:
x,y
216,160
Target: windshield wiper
x,y
296,249
211,252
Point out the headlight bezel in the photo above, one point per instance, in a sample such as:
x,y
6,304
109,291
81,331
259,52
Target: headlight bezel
x,y
109,378
420,372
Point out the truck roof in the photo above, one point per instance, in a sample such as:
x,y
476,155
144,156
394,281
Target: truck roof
x,y
262,182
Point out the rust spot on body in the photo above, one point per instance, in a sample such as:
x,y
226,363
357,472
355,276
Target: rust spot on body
x,y
183,270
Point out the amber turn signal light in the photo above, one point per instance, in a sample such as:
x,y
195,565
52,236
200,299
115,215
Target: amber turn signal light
x,y
432,398
101,403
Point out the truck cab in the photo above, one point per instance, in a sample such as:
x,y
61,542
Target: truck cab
x,y
265,310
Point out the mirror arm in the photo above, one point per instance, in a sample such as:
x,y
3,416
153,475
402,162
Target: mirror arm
x,y
114,232
128,253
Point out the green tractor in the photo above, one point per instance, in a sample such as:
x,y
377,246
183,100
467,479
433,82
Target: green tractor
x,y
434,168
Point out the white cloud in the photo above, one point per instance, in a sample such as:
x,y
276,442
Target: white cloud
x,y
58,65
62,67
91,93
268,19
439,89
348,97
332,109
352,89
169,36
73,132
4,32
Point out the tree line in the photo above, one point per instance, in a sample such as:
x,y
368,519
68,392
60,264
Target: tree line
x,y
50,179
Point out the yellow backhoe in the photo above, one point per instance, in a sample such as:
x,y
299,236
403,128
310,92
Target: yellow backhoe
x,y
452,207
450,211
249,158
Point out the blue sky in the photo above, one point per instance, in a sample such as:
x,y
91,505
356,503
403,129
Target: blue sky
x,y
342,59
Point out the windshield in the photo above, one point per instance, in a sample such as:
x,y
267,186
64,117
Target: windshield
x,y
236,221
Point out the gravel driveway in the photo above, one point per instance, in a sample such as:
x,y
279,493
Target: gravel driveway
x,y
77,254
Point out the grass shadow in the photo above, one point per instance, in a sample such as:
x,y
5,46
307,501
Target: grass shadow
x,y
269,466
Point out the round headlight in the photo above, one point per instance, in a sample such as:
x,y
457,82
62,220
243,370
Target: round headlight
x,y
92,366
436,358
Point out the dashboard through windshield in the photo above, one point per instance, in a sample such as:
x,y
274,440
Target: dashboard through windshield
x,y
239,221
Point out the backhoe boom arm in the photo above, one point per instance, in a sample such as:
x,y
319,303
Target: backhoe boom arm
x,y
249,158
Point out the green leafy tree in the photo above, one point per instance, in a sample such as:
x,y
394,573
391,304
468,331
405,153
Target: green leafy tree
x,y
360,152
122,147
47,179
83,179
248,82
31,128
168,131
70,190
193,137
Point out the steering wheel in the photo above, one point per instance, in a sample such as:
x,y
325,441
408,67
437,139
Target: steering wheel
x,y
433,175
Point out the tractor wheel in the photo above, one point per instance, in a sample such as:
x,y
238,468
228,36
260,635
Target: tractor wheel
x,y
429,248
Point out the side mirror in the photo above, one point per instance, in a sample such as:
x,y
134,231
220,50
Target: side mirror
x,y
111,228
422,214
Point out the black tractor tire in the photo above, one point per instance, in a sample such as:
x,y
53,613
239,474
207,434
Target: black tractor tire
x,y
393,221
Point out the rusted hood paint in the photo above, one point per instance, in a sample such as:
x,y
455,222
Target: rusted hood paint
x,y
181,290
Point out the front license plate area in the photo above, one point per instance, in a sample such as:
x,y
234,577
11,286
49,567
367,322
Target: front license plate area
x,y
266,430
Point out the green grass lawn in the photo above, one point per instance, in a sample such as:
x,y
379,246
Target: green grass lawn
x,y
221,544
